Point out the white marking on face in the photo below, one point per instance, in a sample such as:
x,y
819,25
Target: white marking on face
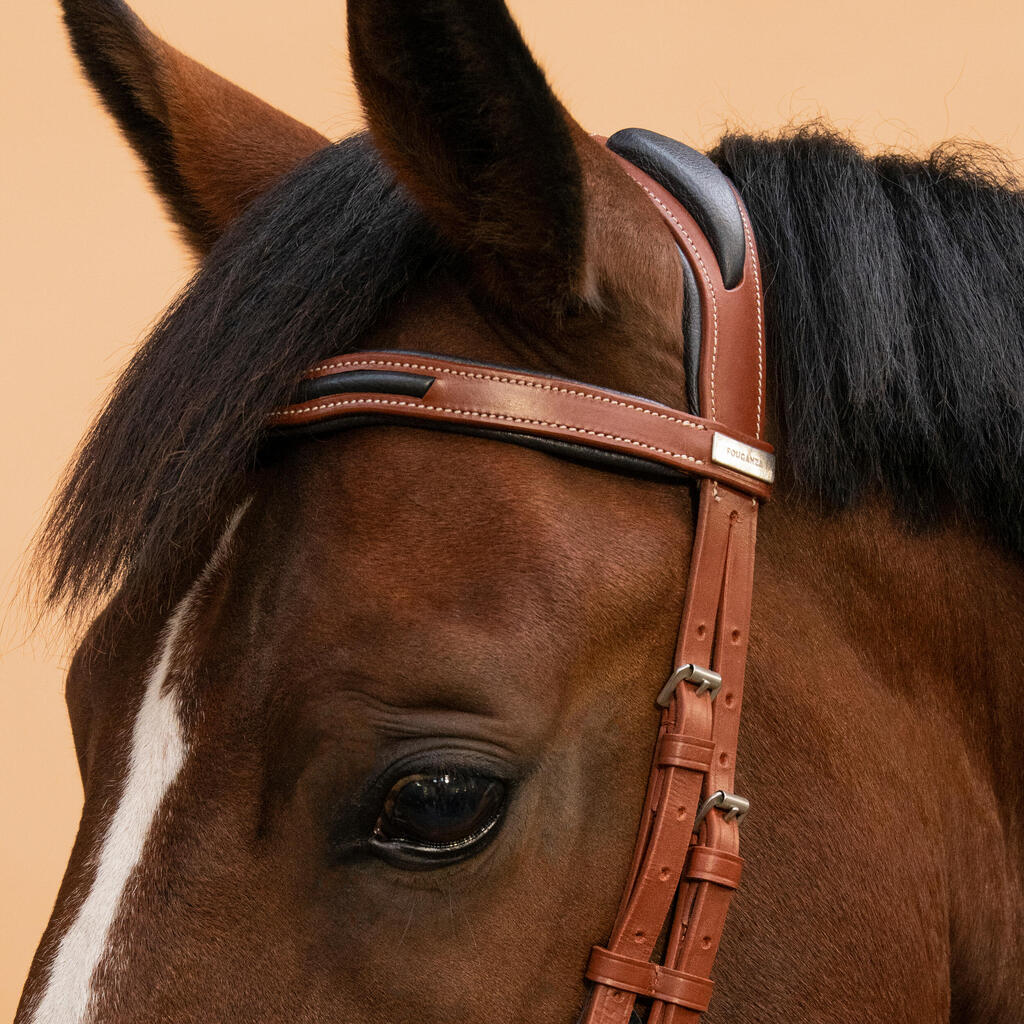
x,y
158,751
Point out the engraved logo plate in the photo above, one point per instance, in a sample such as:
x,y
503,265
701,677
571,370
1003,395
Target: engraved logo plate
x,y
727,451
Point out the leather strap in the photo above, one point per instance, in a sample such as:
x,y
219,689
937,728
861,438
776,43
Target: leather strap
x,y
732,379
461,393
710,865
691,752
686,862
713,634
642,978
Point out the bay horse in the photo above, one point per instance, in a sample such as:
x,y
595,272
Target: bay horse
x,y
291,632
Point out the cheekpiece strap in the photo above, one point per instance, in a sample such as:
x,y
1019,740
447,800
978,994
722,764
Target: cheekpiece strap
x,y
686,863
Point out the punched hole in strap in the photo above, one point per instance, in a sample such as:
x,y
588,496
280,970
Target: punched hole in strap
x,y
704,679
652,981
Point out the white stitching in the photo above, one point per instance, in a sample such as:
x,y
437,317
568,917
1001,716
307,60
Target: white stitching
x,y
354,357
760,330
301,410
707,280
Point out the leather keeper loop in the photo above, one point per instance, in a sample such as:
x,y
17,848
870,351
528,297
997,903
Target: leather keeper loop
x,y
652,981
709,865
691,752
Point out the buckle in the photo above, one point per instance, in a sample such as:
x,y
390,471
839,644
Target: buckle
x,y
706,680
735,807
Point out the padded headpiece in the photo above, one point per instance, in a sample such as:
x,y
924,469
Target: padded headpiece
x,y
698,184
705,191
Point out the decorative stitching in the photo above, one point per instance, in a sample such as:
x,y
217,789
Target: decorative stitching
x,y
301,410
398,364
707,280
748,231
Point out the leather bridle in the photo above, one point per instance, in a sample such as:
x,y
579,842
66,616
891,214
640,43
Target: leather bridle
x,y
686,864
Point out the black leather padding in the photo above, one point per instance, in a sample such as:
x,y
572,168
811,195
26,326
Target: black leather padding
x,y
384,382
698,184
693,316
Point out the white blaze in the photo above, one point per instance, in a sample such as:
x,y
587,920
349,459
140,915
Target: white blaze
x,y
157,753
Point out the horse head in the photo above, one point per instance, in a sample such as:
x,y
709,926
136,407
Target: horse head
x,y
365,717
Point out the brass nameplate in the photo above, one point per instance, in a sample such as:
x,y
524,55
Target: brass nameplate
x,y
727,451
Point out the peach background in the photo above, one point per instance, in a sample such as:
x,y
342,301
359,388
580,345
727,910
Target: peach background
x,y
88,260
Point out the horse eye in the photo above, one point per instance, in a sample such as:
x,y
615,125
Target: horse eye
x,y
438,817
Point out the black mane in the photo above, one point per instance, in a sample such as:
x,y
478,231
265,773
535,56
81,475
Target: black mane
x,y
895,305
305,271
896,319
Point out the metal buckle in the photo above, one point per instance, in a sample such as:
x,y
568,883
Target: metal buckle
x,y
735,807
706,680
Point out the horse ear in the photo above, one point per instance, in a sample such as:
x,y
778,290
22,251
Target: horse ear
x,y
209,147
464,116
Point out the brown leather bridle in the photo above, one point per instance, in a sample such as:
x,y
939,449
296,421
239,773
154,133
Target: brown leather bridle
x,y
686,864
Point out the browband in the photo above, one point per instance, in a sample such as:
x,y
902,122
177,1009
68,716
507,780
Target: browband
x,y
686,864
440,391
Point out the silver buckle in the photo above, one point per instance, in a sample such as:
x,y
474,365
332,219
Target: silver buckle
x,y
706,680
735,807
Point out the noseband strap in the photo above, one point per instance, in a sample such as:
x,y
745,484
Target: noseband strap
x,y
686,863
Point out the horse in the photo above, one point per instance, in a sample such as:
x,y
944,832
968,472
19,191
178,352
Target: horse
x,y
301,649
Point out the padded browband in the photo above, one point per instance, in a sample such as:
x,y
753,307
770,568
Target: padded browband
x,y
440,391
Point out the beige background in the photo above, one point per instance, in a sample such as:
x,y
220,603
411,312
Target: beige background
x,y
88,260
